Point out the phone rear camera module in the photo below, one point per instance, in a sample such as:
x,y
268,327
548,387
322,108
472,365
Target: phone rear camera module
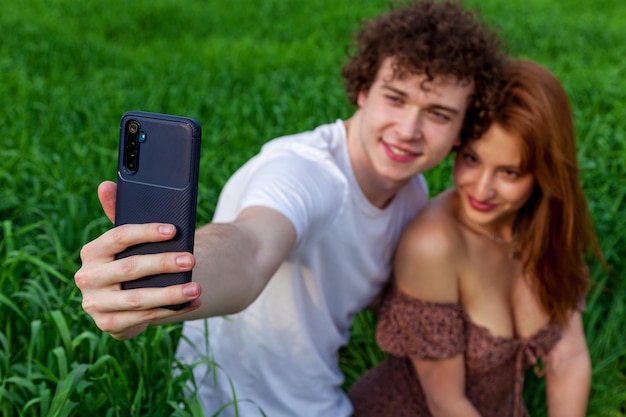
x,y
132,137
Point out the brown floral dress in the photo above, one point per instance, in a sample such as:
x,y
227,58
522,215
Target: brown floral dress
x,y
409,327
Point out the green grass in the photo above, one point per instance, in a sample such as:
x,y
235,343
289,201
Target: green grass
x,y
248,71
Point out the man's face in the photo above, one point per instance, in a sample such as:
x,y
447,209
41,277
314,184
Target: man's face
x,y
404,128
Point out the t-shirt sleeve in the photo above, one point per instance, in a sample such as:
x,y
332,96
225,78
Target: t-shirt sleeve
x,y
409,327
307,188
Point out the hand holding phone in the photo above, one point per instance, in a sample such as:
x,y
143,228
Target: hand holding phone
x,y
158,168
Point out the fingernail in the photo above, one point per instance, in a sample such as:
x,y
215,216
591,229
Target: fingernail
x,y
166,229
183,261
190,290
195,303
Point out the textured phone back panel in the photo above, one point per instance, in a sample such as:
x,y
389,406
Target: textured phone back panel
x,y
140,203
163,188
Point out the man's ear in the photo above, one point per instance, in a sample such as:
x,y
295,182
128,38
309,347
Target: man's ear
x,y
361,97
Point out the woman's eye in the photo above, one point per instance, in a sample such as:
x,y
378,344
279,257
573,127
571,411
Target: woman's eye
x,y
468,157
511,174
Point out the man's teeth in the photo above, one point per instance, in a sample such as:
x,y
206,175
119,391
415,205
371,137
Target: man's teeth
x,y
398,151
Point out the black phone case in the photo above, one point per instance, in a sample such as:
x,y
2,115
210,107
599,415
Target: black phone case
x,y
162,185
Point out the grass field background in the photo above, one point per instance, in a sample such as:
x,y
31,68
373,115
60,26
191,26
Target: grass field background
x,y
248,71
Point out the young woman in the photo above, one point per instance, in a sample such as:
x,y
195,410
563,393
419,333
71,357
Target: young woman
x,y
490,277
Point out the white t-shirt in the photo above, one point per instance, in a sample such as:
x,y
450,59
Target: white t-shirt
x,y
281,353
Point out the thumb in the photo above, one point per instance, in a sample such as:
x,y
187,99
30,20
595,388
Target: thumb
x,y
106,194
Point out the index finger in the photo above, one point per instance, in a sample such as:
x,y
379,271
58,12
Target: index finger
x,y
106,246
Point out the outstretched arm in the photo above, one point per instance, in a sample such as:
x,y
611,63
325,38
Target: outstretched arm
x,y
568,372
233,263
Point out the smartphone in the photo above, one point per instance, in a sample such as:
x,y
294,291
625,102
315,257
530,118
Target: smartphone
x,y
157,181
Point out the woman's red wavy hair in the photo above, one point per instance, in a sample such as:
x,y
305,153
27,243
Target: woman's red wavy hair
x,y
554,228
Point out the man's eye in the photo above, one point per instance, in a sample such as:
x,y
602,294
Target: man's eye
x,y
440,116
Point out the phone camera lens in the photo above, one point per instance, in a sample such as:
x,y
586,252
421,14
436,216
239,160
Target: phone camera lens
x,y
133,127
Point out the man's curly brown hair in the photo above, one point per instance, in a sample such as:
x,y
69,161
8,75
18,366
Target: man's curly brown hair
x,y
436,39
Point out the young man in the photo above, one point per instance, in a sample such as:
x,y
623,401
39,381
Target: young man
x,y
303,233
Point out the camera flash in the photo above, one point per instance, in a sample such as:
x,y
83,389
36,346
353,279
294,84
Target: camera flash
x,y
142,136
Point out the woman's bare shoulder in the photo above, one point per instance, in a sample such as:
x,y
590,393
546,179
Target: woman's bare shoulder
x,y
435,229
427,255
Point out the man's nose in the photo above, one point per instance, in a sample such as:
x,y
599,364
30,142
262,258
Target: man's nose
x,y
410,125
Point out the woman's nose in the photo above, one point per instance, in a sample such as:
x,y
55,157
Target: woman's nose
x,y
484,189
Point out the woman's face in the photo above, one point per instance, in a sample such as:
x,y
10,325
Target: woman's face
x,y
490,182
